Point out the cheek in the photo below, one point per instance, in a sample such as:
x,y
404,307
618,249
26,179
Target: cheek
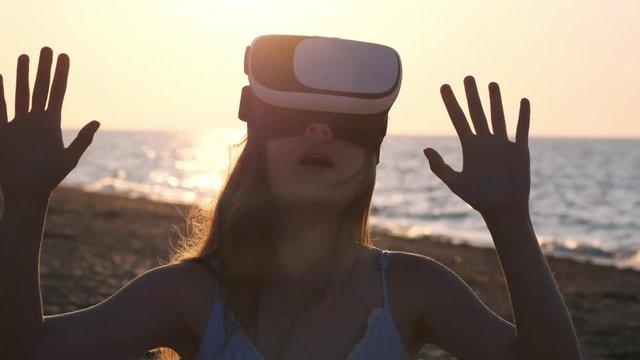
x,y
357,159
353,159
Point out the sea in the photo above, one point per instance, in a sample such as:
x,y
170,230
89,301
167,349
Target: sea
x,y
585,193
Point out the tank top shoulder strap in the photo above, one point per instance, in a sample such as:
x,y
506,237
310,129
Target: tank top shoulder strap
x,y
383,263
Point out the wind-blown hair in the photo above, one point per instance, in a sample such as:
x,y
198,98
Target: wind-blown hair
x,y
239,230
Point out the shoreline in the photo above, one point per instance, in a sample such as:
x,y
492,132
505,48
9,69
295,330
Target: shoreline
x,y
94,243
632,263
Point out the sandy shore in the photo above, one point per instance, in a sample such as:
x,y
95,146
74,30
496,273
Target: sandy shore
x,y
96,243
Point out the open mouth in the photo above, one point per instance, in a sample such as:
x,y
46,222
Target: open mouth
x,y
315,160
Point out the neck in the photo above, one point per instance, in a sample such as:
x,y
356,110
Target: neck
x,y
307,235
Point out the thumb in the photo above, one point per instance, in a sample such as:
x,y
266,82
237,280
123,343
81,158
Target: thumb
x,y
80,144
440,168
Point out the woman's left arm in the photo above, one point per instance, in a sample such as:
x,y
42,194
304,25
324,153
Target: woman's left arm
x,y
495,180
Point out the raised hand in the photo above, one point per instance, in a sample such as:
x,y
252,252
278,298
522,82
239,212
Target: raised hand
x,y
33,159
495,177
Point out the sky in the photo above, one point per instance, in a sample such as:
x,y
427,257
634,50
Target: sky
x,y
169,65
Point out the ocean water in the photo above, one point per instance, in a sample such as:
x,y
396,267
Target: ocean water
x,y
585,195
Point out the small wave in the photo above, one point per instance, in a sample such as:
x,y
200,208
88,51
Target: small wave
x,y
420,214
592,250
585,251
136,190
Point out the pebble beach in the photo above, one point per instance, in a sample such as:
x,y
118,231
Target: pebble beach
x,y
95,243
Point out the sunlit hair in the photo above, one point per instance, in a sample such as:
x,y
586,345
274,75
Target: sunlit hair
x,y
239,229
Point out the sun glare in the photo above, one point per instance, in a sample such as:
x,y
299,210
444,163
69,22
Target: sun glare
x,y
247,4
210,158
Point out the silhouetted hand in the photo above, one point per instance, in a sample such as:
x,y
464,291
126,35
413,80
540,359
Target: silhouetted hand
x,y
33,159
495,178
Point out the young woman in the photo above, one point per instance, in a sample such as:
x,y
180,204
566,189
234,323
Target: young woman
x,y
285,269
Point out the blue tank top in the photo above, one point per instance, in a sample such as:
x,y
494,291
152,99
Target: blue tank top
x,y
380,341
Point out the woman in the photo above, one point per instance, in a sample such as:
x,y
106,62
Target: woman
x,y
284,269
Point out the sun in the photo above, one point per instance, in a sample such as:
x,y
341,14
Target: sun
x,y
252,5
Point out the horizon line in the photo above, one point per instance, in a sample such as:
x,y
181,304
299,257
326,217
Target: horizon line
x,y
400,134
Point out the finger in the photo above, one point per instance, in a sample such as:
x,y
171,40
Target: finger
x,y
3,105
22,87
475,107
43,77
522,132
59,85
455,113
443,171
497,113
80,144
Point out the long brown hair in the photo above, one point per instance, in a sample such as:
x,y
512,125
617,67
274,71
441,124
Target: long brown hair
x,y
238,229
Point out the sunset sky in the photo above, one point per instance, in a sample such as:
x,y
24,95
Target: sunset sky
x,y
142,64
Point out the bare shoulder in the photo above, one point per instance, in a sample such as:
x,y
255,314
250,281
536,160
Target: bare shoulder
x,y
445,309
190,272
192,290
192,293
427,280
412,267
420,275
181,280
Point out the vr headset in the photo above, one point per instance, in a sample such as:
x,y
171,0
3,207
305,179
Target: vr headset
x,y
298,80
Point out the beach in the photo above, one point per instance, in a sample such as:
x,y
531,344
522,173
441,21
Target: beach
x,y
94,243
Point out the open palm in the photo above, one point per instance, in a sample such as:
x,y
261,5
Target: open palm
x,y
495,177
33,159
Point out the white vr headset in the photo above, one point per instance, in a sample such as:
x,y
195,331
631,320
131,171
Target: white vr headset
x,y
296,79
323,74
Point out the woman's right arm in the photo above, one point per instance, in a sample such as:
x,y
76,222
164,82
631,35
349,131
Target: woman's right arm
x,y
21,225
33,160
143,315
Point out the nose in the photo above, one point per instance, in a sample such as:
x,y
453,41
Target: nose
x,y
319,130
